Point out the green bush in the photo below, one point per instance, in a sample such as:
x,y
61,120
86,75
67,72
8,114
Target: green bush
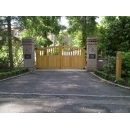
x,y
20,70
27,69
129,82
96,71
24,70
126,64
110,65
8,73
17,71
4,62
112,77
13,72
106,76
121,81
102,74
3,74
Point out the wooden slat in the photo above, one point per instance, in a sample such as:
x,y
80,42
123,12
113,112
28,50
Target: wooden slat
x,y
60,57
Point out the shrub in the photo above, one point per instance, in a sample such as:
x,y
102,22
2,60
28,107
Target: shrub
x,y
96,72
0,74
27,69
121,81
8,73
24,70
106,76
129,82
103,75
13,72
17,71
126,64
20,70
3,74
4,62
110,65
100,73
112,77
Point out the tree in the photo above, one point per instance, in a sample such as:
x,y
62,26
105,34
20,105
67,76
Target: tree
x,y
85,24
114,34
5,23
39,27
10,41
8,24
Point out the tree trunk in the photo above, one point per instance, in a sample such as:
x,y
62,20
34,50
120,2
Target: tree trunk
x,y
84,31
10,42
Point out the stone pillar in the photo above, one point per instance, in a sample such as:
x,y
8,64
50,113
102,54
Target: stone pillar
x,y
91,53
28,53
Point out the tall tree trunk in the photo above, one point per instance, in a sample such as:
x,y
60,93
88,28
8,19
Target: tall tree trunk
x,y
84,31
10,42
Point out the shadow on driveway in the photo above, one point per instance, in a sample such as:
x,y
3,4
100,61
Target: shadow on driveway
x,y
61,82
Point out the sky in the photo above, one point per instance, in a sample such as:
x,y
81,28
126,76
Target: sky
x,y
65,22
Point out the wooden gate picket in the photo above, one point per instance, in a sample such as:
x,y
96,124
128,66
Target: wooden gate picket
x,y
60,57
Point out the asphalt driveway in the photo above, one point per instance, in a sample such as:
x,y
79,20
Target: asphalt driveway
x,y
62,92
61,83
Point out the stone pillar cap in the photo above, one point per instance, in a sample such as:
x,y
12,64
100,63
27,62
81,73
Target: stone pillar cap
x,y
27,40
92,39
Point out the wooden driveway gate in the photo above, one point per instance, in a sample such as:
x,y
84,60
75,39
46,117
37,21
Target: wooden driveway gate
x,y
60,57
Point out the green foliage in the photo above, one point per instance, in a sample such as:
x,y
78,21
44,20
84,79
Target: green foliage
x,y
110,65
84,24
27,69
112,77
62,38
126,64
13,72
129,82
105,75
121,81
39,27
2,74
76,39
8,38
17,71
8,73
4,62
98,72
114,34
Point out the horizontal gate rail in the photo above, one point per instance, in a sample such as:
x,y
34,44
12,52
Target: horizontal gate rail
x,y
60,57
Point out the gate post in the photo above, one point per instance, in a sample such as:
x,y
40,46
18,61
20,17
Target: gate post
x,y
28,53
92,53
118,64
